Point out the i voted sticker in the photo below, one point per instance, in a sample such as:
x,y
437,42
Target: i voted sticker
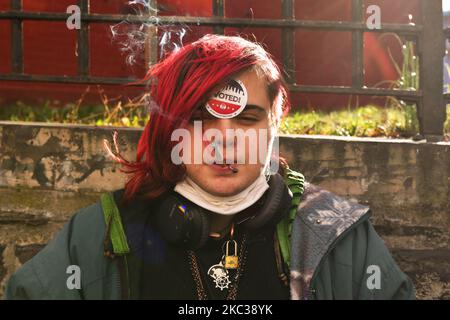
x,y
229,101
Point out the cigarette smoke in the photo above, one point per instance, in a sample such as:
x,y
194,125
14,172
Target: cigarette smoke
x,y
132,38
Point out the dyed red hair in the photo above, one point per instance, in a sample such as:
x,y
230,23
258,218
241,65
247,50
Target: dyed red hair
x,y
180,83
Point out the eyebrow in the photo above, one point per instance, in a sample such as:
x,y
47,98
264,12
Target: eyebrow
x,y
248,107
255,107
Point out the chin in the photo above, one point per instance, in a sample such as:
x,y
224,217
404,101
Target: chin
x,y
224,193
223,189
223,186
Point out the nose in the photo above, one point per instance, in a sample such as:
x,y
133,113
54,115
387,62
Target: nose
x,y
222,125
224,144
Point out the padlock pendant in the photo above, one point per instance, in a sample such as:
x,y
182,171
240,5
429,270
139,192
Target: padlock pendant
x,y
231,261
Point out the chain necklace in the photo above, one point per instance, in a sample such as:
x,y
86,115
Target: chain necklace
x,y
221,280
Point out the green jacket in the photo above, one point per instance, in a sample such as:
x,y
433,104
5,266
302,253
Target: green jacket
x,y
331,248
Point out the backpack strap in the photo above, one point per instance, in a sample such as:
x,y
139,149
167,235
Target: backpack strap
x,y
295,182
115,233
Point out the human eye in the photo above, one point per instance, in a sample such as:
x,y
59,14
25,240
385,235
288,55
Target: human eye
x,y
248,118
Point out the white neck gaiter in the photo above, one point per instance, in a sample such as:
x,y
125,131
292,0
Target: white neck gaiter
x,y
223,205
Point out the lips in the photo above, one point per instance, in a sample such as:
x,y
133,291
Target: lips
x,y
221,168
224,163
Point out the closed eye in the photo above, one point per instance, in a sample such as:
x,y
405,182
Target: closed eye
x,y
252,119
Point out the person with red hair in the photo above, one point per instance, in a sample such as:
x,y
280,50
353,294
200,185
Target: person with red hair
x,y
210,210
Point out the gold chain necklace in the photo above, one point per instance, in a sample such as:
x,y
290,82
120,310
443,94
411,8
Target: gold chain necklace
x,y
232,294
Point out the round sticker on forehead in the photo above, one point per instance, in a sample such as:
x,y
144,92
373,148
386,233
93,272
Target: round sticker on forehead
x,y
229,101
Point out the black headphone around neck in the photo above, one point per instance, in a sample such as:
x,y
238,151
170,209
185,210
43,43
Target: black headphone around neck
x,y
184,223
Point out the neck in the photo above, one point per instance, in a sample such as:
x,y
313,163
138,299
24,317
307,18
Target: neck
x,y
219,225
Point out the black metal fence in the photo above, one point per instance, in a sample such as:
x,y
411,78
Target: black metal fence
x,y
429,37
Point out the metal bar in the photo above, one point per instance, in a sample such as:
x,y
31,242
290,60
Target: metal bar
x,y
218,11
226,22
16,40
151,45
288,41
404,94
357,46
432,113
74,80
83,41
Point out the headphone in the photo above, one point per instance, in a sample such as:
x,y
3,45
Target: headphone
x,y
184,223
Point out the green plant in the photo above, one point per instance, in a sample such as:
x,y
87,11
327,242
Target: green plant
x,y
368,121
408,79
110,112
447,122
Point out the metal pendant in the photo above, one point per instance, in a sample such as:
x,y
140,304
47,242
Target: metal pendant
x,y
220,275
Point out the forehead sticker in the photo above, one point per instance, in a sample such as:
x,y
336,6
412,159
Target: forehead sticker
x,y
229,101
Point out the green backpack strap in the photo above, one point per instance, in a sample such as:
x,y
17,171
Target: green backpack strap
x,y
114,228
295,182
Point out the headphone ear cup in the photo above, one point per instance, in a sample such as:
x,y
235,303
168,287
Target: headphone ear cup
x,y
278,201
182,223
201,232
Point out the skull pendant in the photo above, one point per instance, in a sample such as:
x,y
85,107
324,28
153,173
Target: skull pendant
x,y
220,276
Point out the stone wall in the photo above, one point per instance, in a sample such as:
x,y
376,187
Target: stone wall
x,y
47,172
